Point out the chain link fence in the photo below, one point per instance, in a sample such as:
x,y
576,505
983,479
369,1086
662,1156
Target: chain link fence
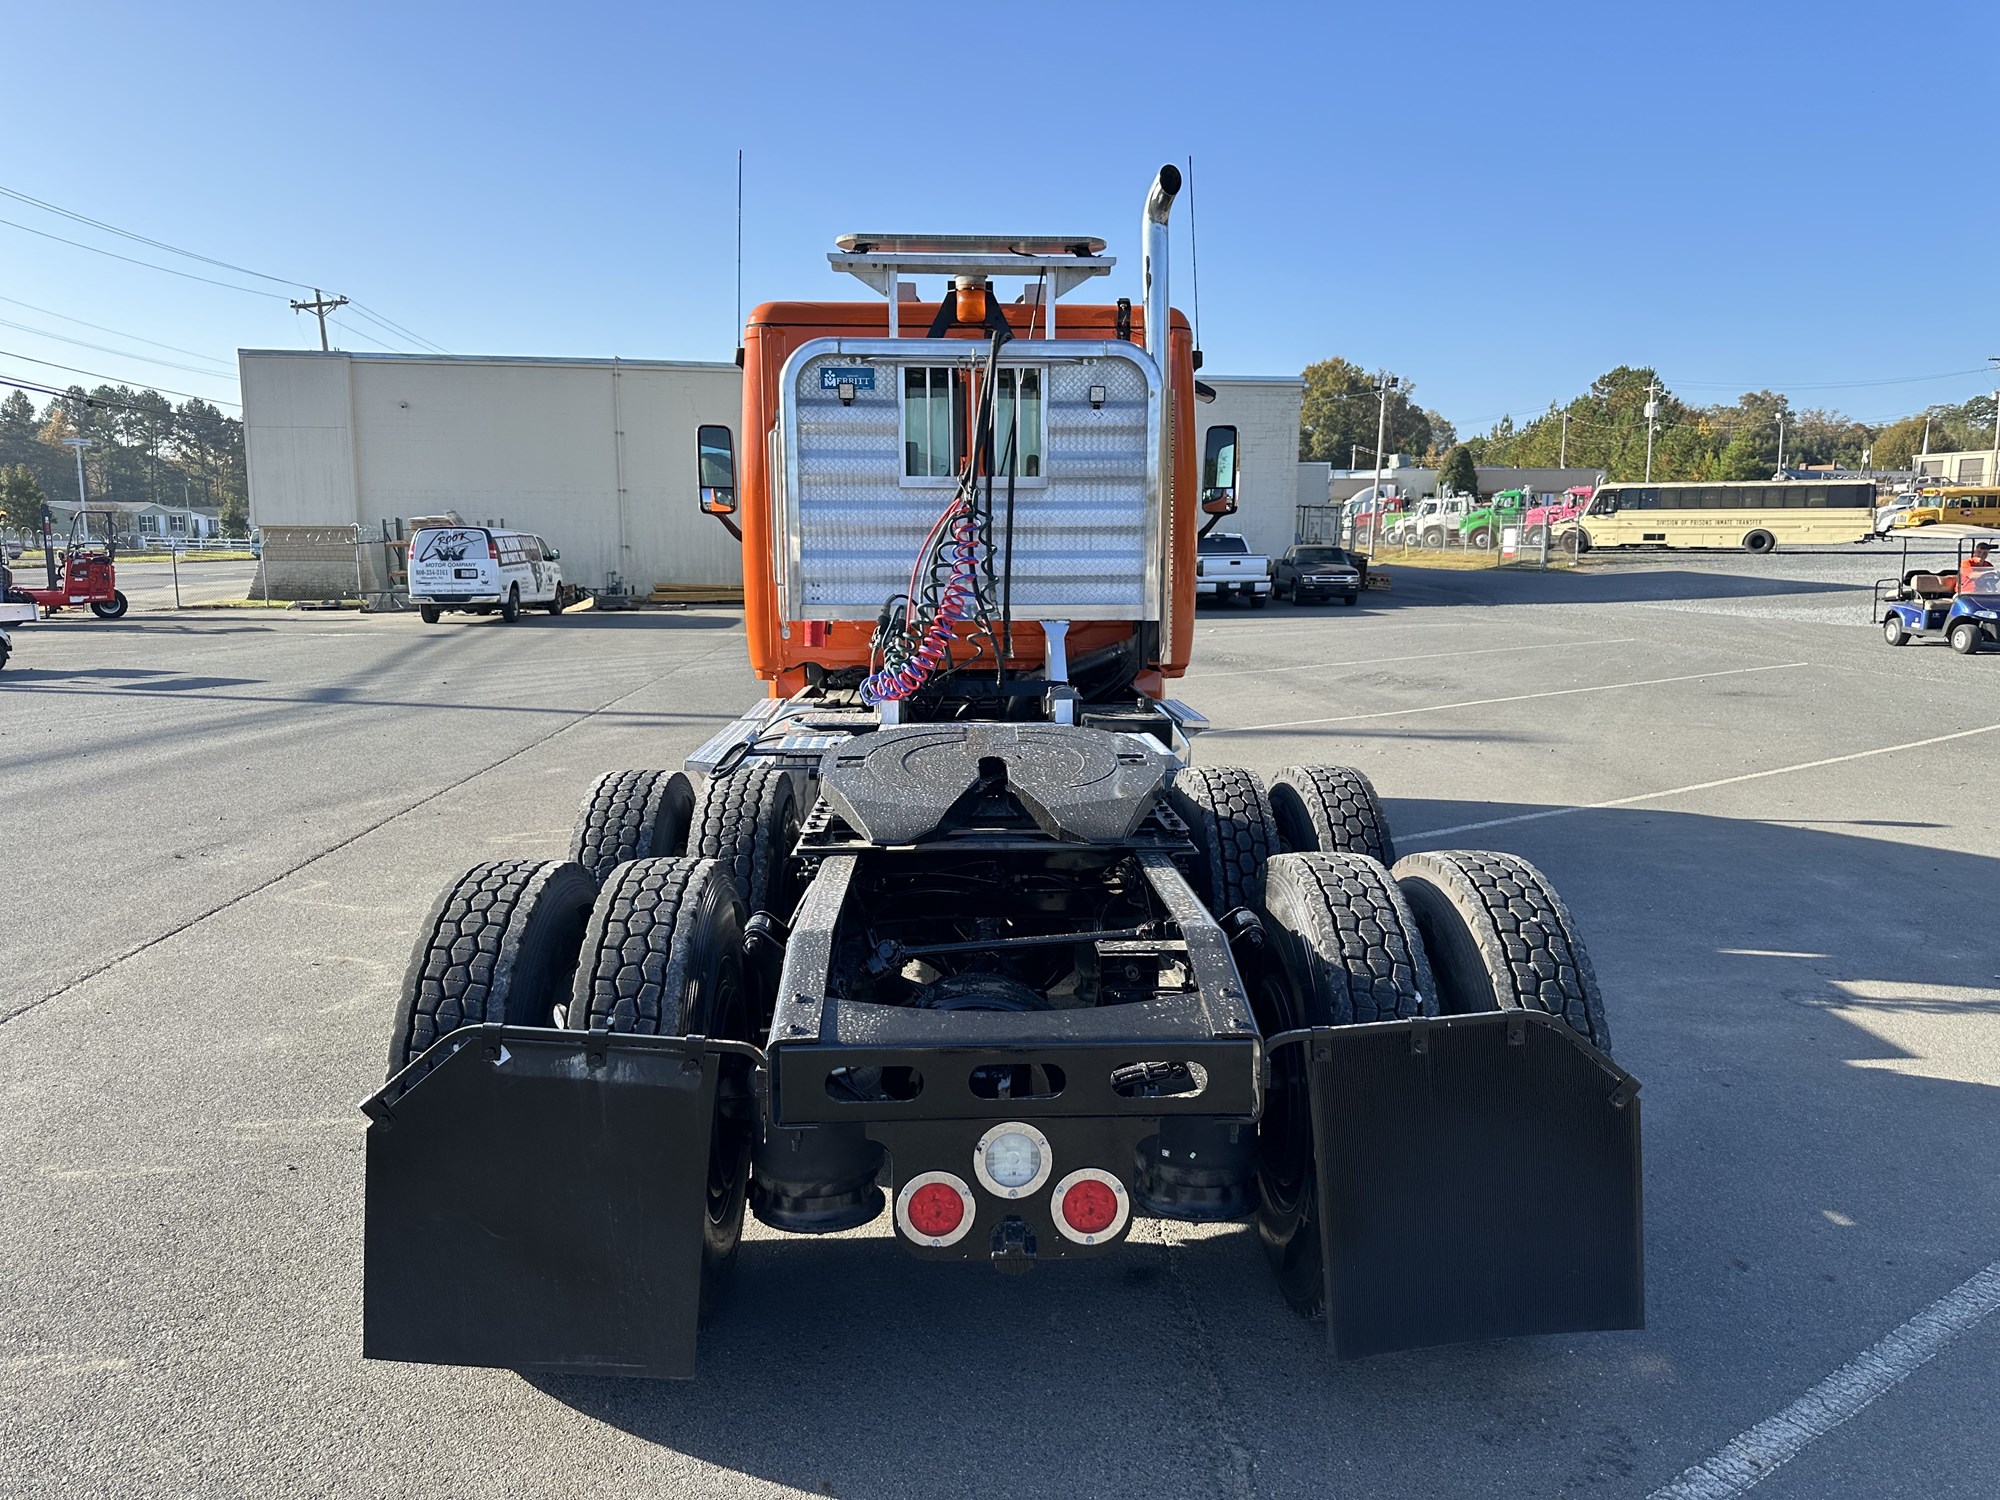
x,y
1437,538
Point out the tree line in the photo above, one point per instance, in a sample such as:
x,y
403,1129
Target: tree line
x,y
143,447
1606,430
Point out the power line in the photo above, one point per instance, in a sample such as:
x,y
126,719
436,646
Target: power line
x,y
1783,387
396,328
49,312
100,375
248,291
50,390
177,250
144,359
350,331
21,197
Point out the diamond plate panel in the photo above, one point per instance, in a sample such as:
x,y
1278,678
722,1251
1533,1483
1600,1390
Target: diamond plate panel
x,y
1081,538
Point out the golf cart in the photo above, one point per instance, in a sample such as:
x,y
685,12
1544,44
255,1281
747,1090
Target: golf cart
x,y
1919,602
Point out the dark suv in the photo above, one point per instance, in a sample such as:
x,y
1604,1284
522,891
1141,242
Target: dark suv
x,y
1317,572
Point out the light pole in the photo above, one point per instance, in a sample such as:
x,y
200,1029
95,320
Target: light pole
x,y
1652,411
82,497
1384,384
1993,473
1562,455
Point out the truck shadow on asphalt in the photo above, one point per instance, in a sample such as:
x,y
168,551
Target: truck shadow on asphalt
x,y
1800,1031
1625,585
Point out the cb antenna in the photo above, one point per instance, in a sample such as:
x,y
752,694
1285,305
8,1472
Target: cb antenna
x,y
1194,264
739,257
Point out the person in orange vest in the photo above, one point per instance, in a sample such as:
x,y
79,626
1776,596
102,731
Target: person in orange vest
x,y
1977,563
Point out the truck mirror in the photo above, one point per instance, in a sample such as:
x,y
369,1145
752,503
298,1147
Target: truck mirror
x,y
1218,472
716,470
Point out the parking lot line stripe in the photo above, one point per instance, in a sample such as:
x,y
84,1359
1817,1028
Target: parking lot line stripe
x,y
1697,786
1369,661
1438,708
1755,1454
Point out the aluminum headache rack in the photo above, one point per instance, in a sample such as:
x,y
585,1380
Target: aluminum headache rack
x,y
880,261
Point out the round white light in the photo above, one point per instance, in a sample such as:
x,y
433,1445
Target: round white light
x,y
1012,1160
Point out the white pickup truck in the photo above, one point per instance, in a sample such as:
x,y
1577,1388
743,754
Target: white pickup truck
x,y
1226,566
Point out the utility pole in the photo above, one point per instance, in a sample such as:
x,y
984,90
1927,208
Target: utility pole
x,y
320,306
1652,413
1993,473
1383,385
1353,456
1562,455
1781,445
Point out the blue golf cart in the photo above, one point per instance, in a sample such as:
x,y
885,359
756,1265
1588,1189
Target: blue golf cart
x,y
1921,602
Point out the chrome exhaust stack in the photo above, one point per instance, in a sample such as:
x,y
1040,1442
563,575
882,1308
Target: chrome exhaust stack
x,y
1153,235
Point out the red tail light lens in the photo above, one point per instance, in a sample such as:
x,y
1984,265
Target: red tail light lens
x,y
1091,1206
492,550
935,1209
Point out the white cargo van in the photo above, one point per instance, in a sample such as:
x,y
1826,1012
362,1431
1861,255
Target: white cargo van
x,y
478,569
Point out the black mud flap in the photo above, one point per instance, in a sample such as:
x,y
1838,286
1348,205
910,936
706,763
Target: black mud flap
x,y
1478,1179
535,1202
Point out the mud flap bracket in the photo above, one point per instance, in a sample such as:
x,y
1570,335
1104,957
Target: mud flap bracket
x,y
535,1202
1479,1177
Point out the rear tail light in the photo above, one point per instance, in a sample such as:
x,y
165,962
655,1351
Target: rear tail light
x,y
492,550
1091,1206
935,1209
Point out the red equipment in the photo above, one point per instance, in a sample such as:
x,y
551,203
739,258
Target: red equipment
x,y
88,572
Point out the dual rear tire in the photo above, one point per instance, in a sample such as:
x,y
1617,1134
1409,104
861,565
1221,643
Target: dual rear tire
x,y
630,936
1349,942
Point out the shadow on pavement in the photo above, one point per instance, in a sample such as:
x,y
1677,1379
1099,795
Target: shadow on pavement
x,y
1627,585
1820,1124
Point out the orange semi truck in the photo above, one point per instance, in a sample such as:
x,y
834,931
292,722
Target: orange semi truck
x,y
952,929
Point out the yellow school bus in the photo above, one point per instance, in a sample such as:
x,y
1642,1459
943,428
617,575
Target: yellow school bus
x,y
1965,504
1757,517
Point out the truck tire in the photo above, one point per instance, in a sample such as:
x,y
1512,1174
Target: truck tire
x,y
110,609
748,818
1965,638
1341,948
430,614
1259,601
663,956
1330,810
1433,539
629,815
511,610
1500,938
498,945
1481,538
1229,822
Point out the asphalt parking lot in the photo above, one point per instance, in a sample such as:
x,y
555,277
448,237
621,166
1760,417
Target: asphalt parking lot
x,y
1776,832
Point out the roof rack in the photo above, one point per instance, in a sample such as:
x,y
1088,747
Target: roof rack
x,y
880,260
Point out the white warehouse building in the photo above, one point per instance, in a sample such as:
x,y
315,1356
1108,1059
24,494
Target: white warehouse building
x,y
595,455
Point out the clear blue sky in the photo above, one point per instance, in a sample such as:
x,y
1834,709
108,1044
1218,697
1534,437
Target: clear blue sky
x,y
1499,202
